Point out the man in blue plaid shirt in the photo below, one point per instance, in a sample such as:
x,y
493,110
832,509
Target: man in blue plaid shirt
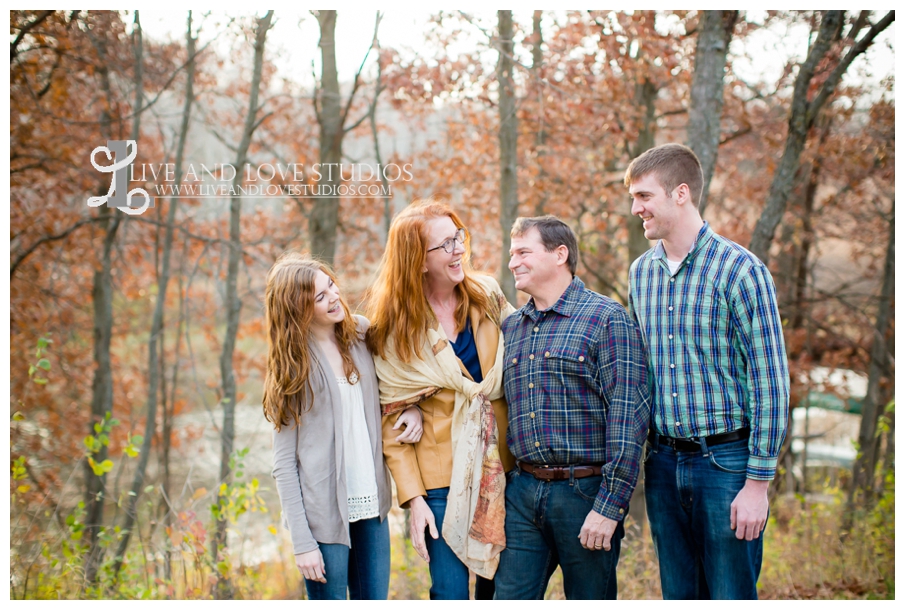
x,y
579,404
720,383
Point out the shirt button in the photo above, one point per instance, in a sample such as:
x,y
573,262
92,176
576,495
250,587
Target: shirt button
x,y
530,385
531,357
581,358
536,329
547,355
674,394
514,360
532,416
670,337
672,366
670,308
672,279
621,511
536,444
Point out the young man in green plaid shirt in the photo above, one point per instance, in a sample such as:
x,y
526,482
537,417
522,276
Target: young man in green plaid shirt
x,y
707,312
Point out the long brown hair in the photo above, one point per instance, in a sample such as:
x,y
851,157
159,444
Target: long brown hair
x,y
288,312
396,304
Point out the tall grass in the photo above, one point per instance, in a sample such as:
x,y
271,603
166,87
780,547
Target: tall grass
x,y
806,556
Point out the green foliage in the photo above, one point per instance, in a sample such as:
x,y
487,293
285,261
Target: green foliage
x,y
19,472
236,498
42,364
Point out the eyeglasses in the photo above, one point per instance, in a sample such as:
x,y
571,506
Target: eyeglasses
x,y
450,244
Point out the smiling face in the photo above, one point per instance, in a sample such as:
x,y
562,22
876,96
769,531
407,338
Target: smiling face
x,y
328,310
443,269
532,265
656,208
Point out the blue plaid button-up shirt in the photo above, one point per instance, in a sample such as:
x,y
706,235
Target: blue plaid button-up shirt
x,y
714,345
576,383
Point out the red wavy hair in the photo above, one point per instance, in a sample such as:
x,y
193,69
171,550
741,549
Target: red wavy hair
x,y
396,304
288,312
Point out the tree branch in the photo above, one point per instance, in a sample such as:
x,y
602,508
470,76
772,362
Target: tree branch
x,y
829,86
13,46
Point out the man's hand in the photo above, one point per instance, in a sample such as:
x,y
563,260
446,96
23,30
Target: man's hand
x,y
597,531
411,419
311,565
422,517
748,515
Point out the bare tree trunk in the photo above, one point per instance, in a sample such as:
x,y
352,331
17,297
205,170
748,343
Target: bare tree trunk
x,y
154,357
714,34
169,407
863,472
138,52
233,303
508,151
889,455
372,120
540,137
645,97
802,117
102,298
807,233
325,215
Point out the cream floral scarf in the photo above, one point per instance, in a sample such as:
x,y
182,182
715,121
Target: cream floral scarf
x,y
475,511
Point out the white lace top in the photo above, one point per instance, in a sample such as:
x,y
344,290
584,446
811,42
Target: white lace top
x,y
361,481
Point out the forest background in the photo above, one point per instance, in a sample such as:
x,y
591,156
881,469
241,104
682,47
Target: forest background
x,y
139,453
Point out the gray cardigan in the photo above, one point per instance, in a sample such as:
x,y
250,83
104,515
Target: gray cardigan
x,y
308,459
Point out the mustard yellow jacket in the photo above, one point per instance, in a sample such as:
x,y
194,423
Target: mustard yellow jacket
x,y
427,464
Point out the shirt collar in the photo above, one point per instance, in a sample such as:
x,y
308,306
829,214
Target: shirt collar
x,y
563,306
700,239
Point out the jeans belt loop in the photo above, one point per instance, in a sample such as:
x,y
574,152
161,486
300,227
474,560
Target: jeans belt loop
x,y
571,475
704,449
656,442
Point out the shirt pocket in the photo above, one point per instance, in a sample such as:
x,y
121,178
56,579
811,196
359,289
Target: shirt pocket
x,y
699,319
568,366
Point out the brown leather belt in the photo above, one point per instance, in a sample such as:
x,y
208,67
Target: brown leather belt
x,y
559,473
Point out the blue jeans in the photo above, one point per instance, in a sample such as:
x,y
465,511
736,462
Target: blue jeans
x,y
688,497
543,520
449,576
363,569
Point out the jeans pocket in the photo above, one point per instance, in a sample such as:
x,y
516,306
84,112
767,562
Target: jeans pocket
x,y
648,452
587,488
732,462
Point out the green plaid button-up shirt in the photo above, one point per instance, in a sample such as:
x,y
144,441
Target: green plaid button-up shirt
x,y
714,344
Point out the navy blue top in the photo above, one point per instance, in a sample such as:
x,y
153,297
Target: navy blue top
x,y
466,350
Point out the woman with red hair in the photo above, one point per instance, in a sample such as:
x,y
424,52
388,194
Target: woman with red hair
x,y
435,336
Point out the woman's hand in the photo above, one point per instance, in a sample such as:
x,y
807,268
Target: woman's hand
x,y
311,565
422,517
411,419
